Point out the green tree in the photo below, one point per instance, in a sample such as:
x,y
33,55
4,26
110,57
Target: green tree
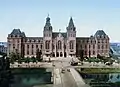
x,y
38,55
81,55
12,57
19,58
27,60
33,59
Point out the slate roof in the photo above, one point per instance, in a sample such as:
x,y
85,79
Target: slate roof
x,y
17,32
82,38
55,34
34,38
100,33
71,22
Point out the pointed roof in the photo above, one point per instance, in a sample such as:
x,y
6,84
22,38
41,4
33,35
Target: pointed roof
x,y
48,21
17,32
71,22
100,33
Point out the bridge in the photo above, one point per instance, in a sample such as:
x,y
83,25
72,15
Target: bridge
x,y
65,76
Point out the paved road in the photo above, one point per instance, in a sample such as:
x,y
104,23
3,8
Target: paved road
x,y
67,79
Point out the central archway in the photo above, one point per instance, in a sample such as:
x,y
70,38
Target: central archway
x,y
61,54
57,54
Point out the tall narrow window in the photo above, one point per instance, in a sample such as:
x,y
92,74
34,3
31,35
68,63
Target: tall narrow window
x,y
98,46
53,46
93,46
102,46
59,45
47,44
41,46
27,46
85,46
32,46
36,46
93,52
71,45
27,52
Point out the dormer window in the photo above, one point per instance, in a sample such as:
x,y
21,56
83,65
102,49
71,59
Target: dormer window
x,y
11,35
74,29
98,36
29,40
15,35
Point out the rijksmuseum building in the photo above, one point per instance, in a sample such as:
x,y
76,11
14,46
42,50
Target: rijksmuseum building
x,y
58,44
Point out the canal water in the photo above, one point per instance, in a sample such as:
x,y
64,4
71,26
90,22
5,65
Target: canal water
x,y
102,80
31,77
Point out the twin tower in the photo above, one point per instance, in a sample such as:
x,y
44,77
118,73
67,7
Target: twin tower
x,y
59,44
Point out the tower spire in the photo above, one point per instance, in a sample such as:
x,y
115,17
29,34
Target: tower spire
x,y
71,22
48,21
48,14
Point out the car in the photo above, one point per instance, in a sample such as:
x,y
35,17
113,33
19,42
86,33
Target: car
x,y
68,70
63,70
108,63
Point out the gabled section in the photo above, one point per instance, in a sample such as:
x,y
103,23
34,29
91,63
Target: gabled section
x,y
55,34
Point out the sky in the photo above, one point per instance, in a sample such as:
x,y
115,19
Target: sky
x,y
88,15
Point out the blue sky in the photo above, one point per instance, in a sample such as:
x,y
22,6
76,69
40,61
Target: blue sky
x,y
88,15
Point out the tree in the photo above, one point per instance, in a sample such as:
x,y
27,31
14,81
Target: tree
x,y
81,55
89,54
5,73
27,60
38,55
33,59
19,58
98,56
12,57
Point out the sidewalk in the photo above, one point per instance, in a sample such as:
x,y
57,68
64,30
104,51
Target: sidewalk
x,y
78,79
57,78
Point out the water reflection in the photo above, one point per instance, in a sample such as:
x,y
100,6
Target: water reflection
x,y
30,77
114,77
102,80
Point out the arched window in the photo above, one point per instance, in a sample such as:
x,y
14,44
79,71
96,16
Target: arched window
x,y
47,43
71,44
59,45
61,54
53,46
32,46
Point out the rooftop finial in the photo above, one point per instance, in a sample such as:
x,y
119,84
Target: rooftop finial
x,y
59,30
48,14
